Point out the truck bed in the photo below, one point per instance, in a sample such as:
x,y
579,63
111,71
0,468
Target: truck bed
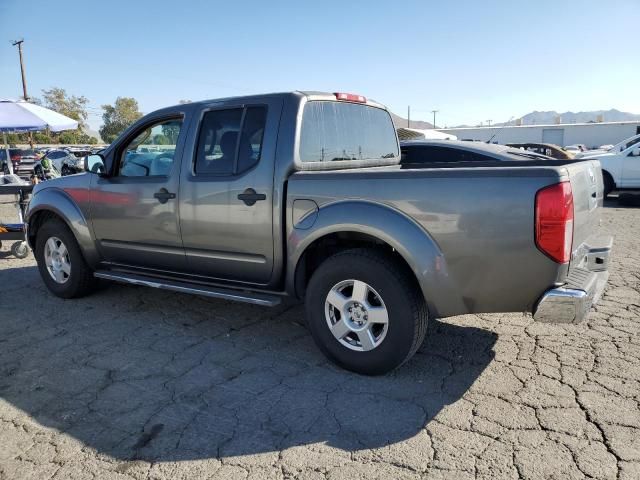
x,y
481,218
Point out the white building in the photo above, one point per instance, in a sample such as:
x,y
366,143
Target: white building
x,y
423,134
589,134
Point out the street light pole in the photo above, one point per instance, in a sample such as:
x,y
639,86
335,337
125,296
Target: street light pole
x,y
19,43
24,80
434,117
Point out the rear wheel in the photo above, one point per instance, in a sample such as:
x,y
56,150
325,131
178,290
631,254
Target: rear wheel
x,y
364,312
65,171
609,184
60,261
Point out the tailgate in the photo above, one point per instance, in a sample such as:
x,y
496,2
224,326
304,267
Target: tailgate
x,y
588,194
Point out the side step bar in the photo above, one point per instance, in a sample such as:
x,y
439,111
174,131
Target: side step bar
x,y
194,289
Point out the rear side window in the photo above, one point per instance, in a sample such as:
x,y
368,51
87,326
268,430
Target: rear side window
x,y
337,131
230,141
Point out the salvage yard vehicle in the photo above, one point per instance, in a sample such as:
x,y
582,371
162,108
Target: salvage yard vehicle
x,y
22,160
301,195
620,165
65,161
548,149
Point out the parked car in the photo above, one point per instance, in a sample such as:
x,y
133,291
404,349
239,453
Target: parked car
x,y
574,150
620,165
617,148
44,170
548,149
65,162
301,196
22,160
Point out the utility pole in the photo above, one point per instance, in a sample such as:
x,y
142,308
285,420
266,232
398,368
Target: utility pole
x,y
489,122
434,117
408,116
24,80
19,43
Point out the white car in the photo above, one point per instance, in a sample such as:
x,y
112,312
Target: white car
x,y
620,164
64,161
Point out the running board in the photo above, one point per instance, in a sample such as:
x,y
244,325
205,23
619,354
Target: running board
x,y
194,289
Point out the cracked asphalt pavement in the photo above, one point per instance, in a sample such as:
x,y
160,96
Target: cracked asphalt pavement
x,y
135,383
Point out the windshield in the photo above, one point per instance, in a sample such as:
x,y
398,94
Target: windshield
x,y
337,131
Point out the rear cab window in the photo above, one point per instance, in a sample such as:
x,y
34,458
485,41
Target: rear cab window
x,y
343,135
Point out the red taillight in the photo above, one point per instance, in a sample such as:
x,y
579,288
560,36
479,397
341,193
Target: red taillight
x,y
554,221
15,158
350,97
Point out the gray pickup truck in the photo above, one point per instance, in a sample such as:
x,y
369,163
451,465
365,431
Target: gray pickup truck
x,y
302,195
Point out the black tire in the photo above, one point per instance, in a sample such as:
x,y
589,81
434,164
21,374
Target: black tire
x,y
404,302
5,169
65,171
20,249
81,280
609,184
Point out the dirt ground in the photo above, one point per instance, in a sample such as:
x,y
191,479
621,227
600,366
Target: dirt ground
x,y
135,383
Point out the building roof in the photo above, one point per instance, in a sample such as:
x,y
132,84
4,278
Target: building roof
x,y
556,125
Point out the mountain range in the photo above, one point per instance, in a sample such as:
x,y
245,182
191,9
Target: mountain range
x,y
540,118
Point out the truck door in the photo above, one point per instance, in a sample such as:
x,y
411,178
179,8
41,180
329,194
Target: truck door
x,y
135,211
226,200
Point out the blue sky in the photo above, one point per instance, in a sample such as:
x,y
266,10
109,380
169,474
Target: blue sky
x,y
471,60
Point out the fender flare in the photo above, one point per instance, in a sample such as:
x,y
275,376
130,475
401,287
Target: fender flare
x,y
57,201
414,244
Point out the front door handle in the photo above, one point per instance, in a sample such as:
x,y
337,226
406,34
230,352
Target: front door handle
x,y
250,197
163,195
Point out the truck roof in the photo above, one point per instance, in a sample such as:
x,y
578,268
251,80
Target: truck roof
x,y
309,94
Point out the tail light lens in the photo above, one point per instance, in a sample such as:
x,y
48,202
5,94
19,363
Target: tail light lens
x,y
554,221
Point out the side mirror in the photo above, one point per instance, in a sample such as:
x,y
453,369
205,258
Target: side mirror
x,y
94,164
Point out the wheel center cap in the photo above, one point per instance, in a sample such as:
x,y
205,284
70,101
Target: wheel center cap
x,y
358,314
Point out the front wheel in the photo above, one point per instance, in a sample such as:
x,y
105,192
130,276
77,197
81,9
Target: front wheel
x,y
365,312
60,261
609,185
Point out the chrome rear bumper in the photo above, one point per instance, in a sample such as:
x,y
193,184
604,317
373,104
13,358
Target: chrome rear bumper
x,y
571,302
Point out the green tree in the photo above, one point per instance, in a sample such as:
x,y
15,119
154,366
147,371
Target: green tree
x,y
71,106
118,117
161,140
68,137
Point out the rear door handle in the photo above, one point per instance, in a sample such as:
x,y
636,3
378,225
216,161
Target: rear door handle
x,y
250,197
163,195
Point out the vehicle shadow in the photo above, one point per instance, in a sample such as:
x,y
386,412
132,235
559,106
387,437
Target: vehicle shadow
x,y
623,200
137,373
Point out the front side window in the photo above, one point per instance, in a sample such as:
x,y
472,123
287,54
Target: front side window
x,y
337,131
151,153
230,141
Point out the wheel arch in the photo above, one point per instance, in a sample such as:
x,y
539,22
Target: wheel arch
x,y
351,224
54,203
